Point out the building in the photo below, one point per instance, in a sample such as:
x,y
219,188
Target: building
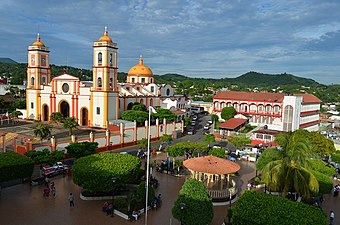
x,y
274,111
93,103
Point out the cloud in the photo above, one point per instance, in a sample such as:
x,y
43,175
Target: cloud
x,y
192,37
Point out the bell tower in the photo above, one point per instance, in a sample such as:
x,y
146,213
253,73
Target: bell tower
x,y
104,91
38,74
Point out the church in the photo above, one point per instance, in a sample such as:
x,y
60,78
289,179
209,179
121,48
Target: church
x,y
95,103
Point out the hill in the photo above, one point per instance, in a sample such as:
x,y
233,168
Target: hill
x,y
7,60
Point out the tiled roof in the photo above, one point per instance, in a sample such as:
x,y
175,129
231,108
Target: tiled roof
x,y
212,165
309,98
232,123
250,96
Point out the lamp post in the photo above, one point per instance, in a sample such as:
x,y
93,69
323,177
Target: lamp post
x,y
147,169
113,194
182,207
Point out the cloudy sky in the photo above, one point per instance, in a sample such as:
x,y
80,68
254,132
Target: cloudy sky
x,y
197,38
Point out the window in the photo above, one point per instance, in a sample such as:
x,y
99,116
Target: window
x,y
133,80
98,110
152,88
65,87
43,80
32,105
100,56
143,80
33,59
99,82
150,80
288,118
32,80
110,58
168,91
111,81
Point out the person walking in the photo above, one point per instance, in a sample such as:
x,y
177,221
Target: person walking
x,y
331,218
53,191
71,200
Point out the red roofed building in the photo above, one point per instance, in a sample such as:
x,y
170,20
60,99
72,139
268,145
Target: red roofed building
x,y
276,111
233,124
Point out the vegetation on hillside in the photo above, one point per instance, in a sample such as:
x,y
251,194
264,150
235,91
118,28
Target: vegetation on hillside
x,y
197,88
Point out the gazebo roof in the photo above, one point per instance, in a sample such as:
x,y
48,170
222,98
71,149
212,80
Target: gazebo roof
x,y
212,165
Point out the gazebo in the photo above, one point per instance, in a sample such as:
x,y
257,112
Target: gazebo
x,y
212,170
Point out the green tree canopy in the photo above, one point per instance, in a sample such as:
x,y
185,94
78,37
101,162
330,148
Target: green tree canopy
x,y
228,113
164,113
70,123
143,143
198,208
187,121
218,152
209,138
139,107
14,166
132,115
81,149
239,141
57,117
181,148
259,208
95,172
45,156
166,138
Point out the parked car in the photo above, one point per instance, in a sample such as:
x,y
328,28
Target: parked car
x,y
335,165
191,131
206,127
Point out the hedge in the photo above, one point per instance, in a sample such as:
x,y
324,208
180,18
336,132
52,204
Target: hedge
x,y
260,208
325,182
15,166
95,172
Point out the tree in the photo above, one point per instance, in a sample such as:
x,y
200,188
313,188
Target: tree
x,y
81,149
228,113
198,208
209,138
132,115
139,107
260,208
143,143
291,172
14,166
166,138
94,173
15,114
165,114
214,119
239,141
42,130
218,152
57,117
182,148
187,121
45,156
70,123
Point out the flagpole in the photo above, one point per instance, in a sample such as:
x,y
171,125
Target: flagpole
x,y
147,170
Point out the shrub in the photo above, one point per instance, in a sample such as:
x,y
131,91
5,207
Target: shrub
x,y
320,166
259,208
336,157
95,172
14,166
325,182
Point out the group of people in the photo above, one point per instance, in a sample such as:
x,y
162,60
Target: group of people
x,y
49,187
108,208
154,182
157,202
135,214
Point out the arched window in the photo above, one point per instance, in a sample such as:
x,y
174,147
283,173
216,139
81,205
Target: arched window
x,y
152,88
143,80
168,92
100,57
288,118
133,80
151,102
151,80
43,80
110,58
141,101
32,80
99,82
111,81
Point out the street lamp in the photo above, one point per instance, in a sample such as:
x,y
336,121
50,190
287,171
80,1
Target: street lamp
x,y
182,207
113,194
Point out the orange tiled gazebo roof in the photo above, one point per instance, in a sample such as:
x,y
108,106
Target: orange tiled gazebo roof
x,y
212,165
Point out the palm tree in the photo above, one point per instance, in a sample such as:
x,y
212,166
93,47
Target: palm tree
x,y
57,117
70,123
291,172
42,130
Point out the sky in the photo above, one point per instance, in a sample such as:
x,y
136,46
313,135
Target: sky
x,y
196,38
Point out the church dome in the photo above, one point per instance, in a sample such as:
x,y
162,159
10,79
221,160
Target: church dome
x,y
140,70
105,37
38,42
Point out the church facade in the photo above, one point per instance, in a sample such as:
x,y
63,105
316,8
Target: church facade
x,y
93,103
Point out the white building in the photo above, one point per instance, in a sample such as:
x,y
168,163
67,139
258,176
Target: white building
x,y
275,111
95,103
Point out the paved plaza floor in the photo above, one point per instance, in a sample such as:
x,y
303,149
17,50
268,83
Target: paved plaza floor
x,y
25,205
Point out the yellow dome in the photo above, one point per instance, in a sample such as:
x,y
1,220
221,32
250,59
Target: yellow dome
x,y
140,70
105,37
38,42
